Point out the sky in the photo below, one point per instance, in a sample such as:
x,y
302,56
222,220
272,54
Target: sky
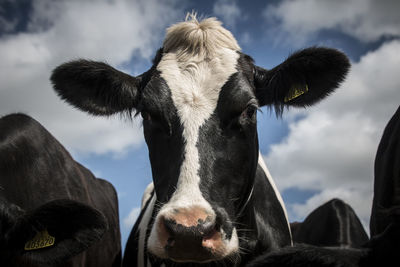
x,y
314,155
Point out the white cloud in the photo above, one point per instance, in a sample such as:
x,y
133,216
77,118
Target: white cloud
x,y
367,20
132,217
332,149
227,11
63,30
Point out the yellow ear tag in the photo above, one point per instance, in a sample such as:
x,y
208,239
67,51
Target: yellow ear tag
x,y
296,93
41,240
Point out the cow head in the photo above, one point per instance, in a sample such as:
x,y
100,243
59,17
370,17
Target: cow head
x,y
69,226
199,105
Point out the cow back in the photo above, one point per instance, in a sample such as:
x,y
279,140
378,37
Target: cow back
x,y
387,177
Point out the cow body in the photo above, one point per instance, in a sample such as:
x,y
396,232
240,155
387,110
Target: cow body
x,y
43,188
214,200
385,216
333,224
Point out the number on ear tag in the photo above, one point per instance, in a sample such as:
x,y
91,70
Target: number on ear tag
x,y
41,240
296,92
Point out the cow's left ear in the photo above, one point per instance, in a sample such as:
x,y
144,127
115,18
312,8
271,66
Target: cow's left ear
x,y
56,231
303,79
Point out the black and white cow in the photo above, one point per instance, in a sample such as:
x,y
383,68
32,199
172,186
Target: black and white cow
x,y
214,200
51,207
333,224
384,246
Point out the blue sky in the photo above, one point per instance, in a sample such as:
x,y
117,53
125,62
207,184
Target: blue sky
x,y
316,154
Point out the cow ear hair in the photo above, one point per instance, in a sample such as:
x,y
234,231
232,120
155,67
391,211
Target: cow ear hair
x,y
9,214
96,87
303,79
73,225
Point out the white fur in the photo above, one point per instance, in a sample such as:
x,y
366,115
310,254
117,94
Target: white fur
x,y
143,229
196,63
194,40
232,245
278,195
147,194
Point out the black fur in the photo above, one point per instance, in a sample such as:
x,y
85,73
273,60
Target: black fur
x,y
96,87
332,224
76,227
132,247
384,247
321,69
310,256
163,134
43,188
387,176
385,217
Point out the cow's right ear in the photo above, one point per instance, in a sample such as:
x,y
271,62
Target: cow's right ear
x,y
56,231
96,87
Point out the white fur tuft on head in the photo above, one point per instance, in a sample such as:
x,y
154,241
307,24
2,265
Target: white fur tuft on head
x,y
198,38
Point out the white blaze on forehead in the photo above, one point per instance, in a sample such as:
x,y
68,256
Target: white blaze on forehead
x,y
198,59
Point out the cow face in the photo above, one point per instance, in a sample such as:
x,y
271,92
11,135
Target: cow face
x,y
203,149
199,103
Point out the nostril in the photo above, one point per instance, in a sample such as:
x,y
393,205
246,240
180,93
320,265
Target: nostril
x,y
170,226
206,227
210,236
170,242
212,239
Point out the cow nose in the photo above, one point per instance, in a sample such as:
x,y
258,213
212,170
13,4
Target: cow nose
x,y
193,222
191,235
181,231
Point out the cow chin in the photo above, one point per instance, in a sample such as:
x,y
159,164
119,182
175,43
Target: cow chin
x,y
214,246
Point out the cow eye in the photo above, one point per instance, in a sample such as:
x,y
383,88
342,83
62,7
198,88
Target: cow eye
x,y
156,123
145,115
249,112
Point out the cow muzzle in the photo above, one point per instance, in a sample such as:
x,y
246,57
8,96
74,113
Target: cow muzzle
x,y
192,235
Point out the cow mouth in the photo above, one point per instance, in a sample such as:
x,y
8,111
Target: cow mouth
x,y
193,249
197,237
208,247
212,246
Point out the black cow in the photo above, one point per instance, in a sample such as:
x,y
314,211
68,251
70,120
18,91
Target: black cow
x,y
333,224
384,246
385,216
51,207
214,200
